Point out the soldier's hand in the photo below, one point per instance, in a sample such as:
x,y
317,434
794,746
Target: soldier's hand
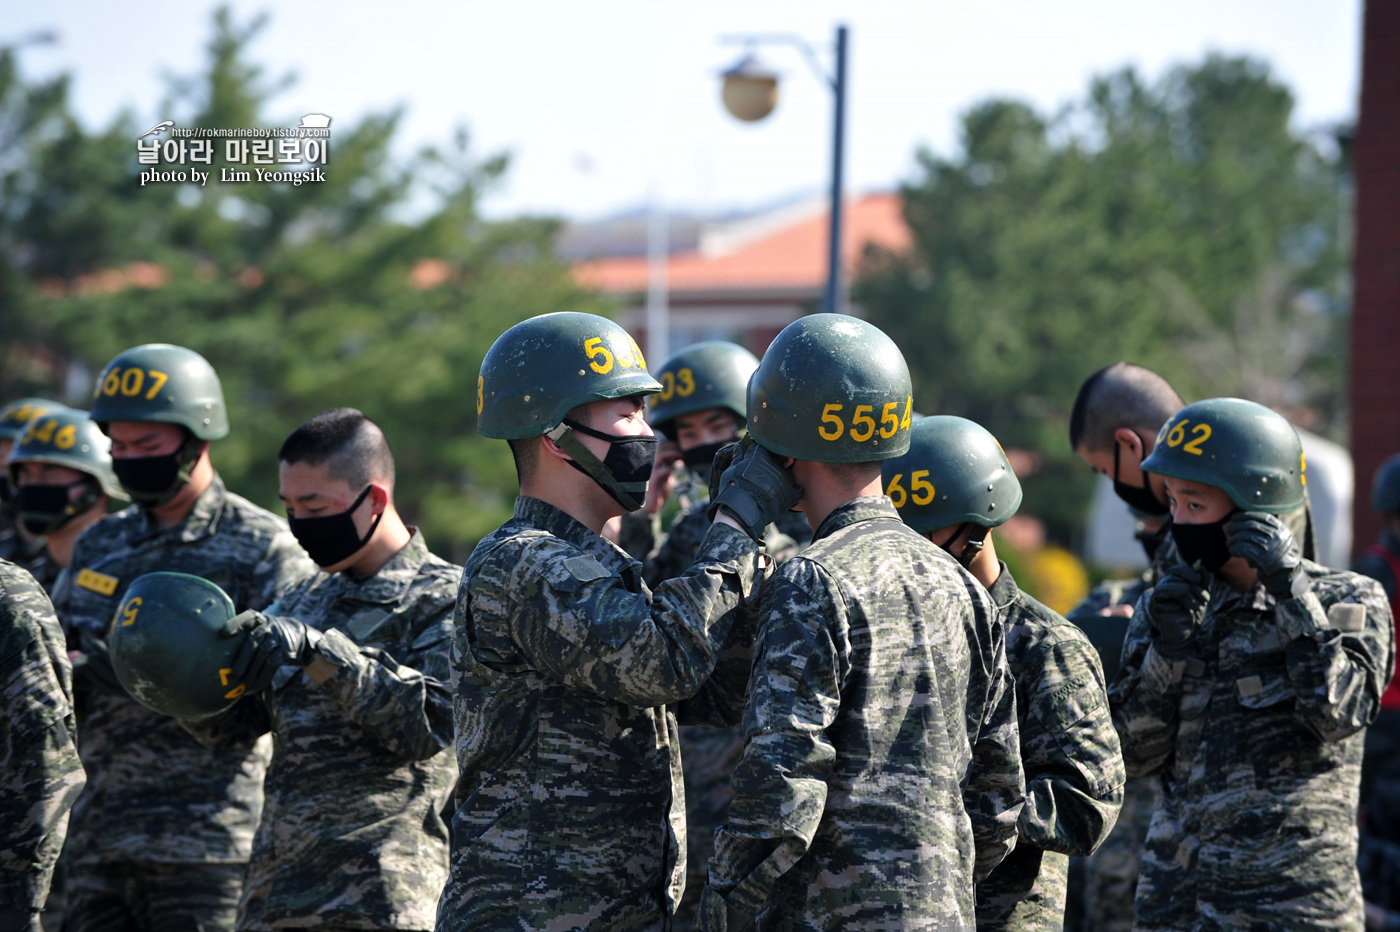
x,y
1267,545
1176,608
270,641
754,487
93,669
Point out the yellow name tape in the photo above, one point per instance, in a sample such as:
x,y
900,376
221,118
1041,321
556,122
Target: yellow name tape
x,y
100,583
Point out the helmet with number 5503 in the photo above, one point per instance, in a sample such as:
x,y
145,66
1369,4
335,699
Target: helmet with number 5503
x,y
832,389
168,648
161,383
714,374
541,368
1250,452
955,472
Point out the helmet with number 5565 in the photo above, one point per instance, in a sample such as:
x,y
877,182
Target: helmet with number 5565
x,y
954,473
1250,452
161,383
541,368
832,389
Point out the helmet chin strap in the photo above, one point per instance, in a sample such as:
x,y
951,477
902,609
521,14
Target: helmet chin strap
x,y
630,495
976,540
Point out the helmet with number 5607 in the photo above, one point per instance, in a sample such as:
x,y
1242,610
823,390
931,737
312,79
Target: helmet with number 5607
x,y
161,383
541,368
1243,448
832,389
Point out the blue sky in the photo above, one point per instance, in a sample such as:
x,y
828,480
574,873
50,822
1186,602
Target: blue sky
x,y
601,101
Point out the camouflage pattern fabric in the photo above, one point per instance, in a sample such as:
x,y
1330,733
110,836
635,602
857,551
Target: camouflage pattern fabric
x,y
1070,753
40,773
882,776
153,897
154,794
1257,738
674,555
351,833
570,810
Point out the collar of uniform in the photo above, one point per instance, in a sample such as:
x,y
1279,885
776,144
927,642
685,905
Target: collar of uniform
x,y
866,508
546,517
201,522
388,586
1004,591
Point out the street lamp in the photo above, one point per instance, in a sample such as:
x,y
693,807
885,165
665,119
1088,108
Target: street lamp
x,y
750,92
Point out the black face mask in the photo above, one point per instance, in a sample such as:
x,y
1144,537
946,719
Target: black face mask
x,y
151,481
44,509
1140,497
699,459
623,473
330,539
1203,542
4,490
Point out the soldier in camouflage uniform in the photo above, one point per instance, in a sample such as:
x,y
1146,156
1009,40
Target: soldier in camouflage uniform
x,y
1248,677
701,406
569,673
61,473
1069,750
162,834
40,774
882,777
351,835
17,544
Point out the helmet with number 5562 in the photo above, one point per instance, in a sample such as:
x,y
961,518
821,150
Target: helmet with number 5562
x,y
161,383
541,368
1243,448
832,389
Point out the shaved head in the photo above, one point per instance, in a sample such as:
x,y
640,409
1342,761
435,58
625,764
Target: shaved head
x,y
351,446
1123,395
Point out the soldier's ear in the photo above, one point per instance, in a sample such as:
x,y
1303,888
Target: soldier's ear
x,y
1129,438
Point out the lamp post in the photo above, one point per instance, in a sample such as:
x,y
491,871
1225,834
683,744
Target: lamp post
x,y
750,92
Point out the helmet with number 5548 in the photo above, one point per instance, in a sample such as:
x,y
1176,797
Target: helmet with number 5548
x,y
1250,452
832,389
541,368
161,383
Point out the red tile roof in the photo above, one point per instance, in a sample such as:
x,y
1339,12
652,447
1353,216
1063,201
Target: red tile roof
x,y
793,257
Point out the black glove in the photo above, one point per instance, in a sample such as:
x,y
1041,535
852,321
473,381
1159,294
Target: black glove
x,y
755,487
1267,545
271,642
1176,608
93,670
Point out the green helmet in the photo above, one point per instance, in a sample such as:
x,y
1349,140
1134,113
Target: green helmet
x,y
68,438
1385,488
1243,448
15,415
705,375
954,472
167,646
832,389
161,383
539,369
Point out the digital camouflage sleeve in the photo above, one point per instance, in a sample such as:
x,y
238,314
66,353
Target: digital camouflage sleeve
x,y
155,795
40,774
1257,737
882,776
352,834
1071,756
570,812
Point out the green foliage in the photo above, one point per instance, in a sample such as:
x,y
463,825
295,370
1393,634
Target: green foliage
x,y
1183,226
303,298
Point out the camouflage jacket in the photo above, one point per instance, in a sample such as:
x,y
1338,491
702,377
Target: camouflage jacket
x,y
351,833
570,812
154,794
40,774
882,776
1257,738
1074,768
676,551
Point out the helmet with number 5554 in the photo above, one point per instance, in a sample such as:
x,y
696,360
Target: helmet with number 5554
x,y
161,383
1250,452
955,472
832,389
541,368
